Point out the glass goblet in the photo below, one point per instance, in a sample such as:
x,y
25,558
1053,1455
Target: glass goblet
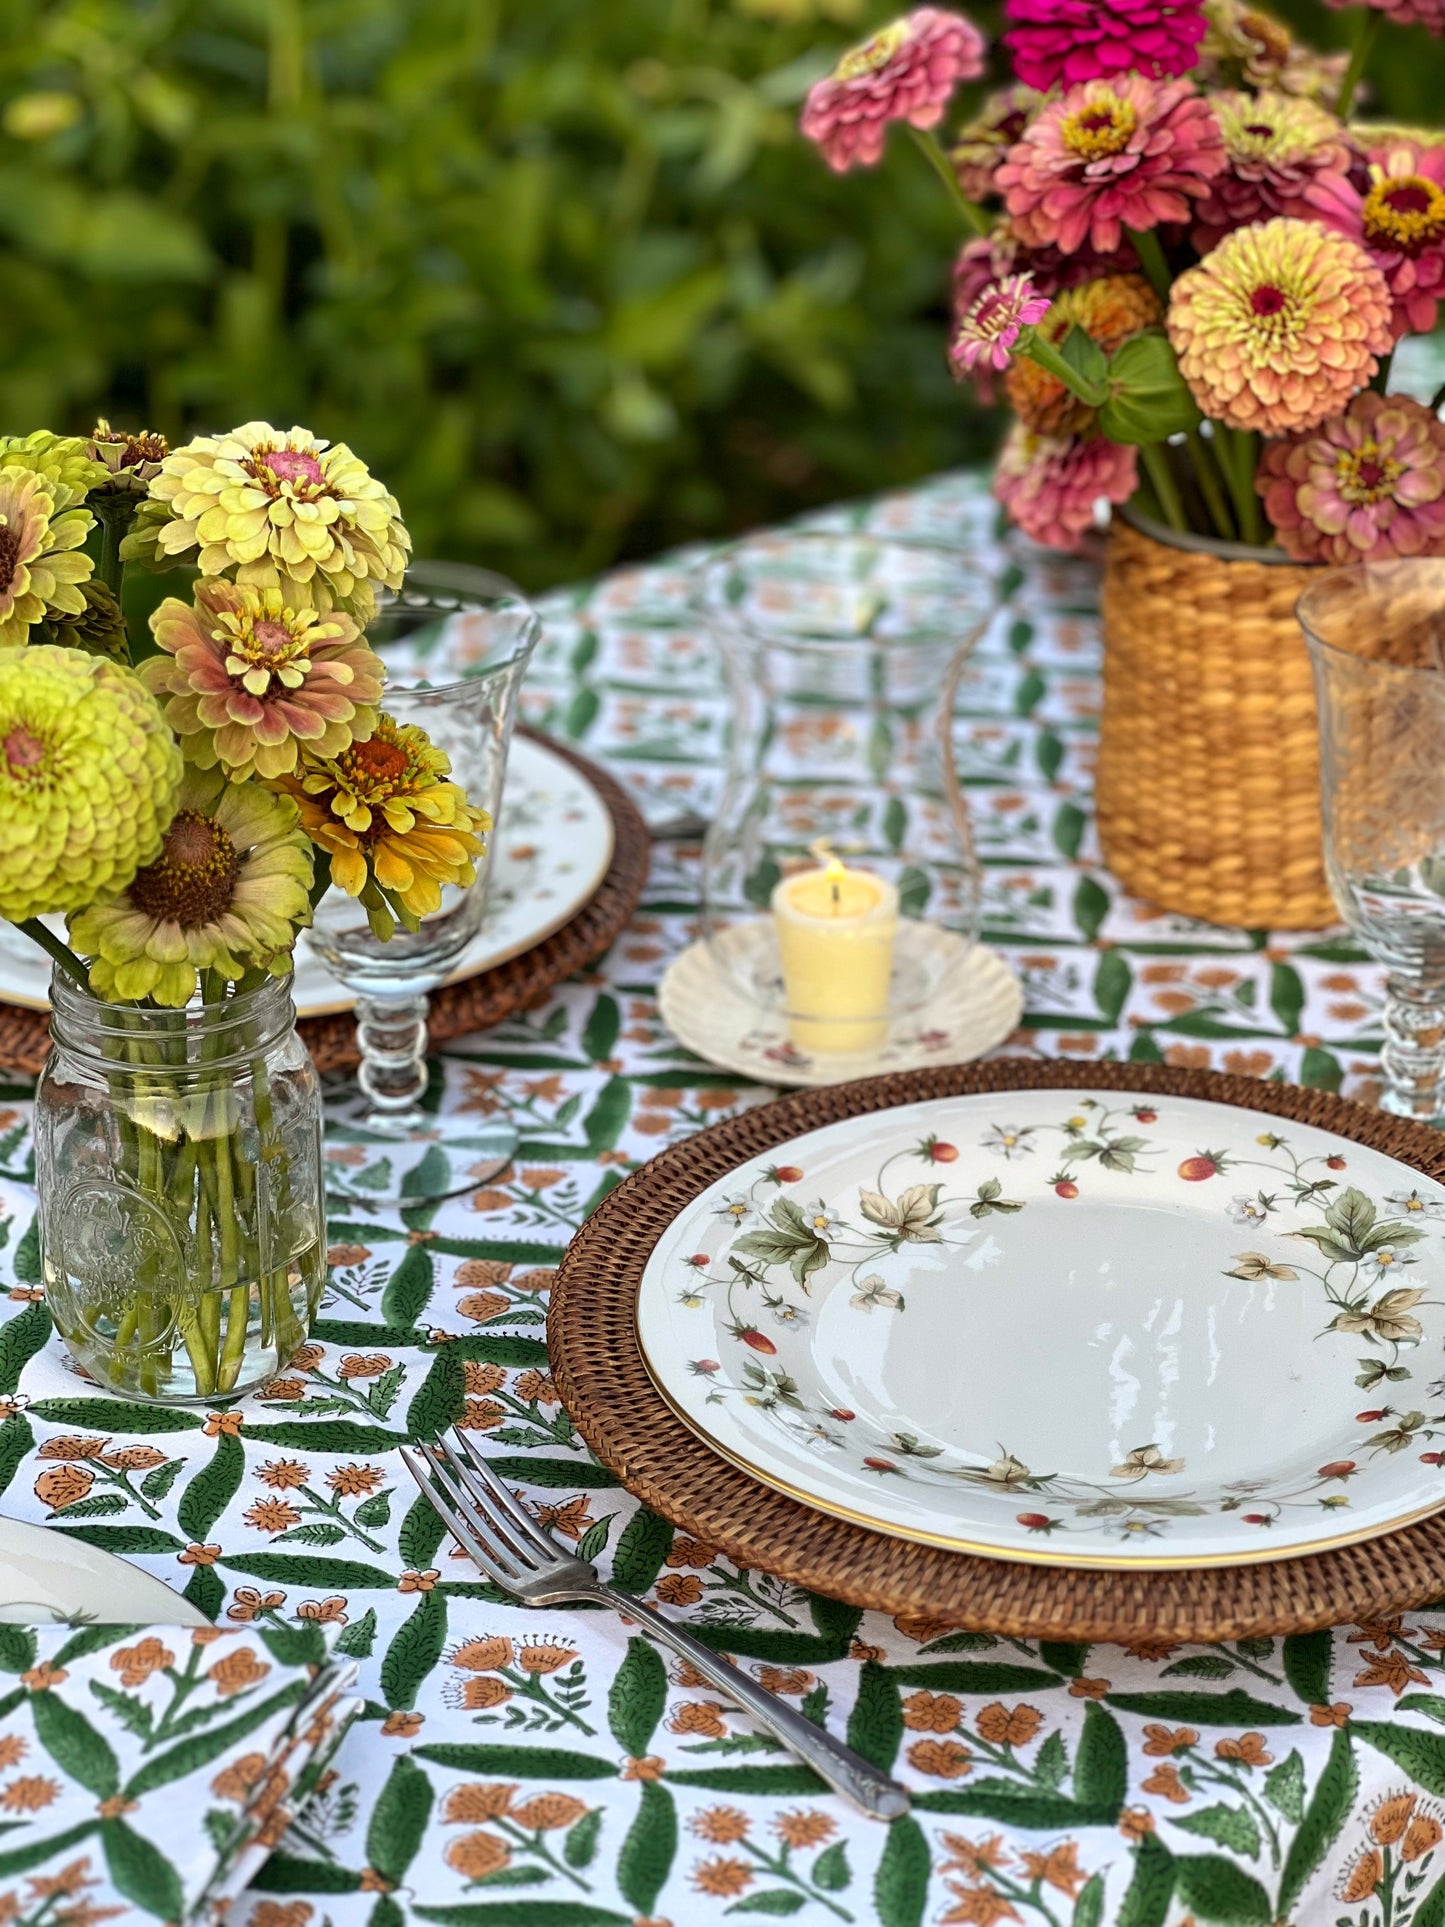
x,y
456,643
1375,633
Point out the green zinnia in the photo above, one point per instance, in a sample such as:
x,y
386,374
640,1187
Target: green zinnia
x,y
89,775
59,458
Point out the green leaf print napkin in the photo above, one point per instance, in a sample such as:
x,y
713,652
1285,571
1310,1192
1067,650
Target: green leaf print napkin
x,y
151,1770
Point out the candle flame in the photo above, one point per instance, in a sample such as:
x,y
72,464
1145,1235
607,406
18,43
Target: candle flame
x,y
835,871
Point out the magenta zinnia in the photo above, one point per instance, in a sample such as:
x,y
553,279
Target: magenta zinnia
x,y
1057,43
250,683
1108,156
908,72
993,323
1364,487
1276,149
1279,326
1398,217
1050,485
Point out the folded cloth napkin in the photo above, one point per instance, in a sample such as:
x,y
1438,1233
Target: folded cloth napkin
x,y
151,1770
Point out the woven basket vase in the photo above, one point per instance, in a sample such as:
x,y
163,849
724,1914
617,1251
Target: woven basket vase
x,y
1208,783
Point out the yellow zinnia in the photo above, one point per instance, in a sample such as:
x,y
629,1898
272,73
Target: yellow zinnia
x,y
386,815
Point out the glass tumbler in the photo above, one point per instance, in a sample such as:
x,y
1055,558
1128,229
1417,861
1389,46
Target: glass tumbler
x,y
843,654
456,643
1376,635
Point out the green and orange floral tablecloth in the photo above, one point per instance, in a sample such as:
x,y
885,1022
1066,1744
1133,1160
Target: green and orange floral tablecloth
x,y
522,1770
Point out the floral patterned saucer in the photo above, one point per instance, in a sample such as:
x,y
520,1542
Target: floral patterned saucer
x,y
554,842
1087,1328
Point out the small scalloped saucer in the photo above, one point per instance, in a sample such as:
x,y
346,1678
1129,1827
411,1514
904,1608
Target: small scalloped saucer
x,y
977,1005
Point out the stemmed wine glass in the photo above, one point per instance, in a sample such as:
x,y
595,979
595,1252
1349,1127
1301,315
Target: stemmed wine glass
x,y
456,642
1375,633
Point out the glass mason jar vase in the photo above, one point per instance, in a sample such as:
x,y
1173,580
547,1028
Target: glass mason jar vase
x,y
178,1173
843,654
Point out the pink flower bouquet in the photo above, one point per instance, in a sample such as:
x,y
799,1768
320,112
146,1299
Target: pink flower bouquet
x,y
1187,265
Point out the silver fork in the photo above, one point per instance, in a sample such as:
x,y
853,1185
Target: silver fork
x,y
523,1559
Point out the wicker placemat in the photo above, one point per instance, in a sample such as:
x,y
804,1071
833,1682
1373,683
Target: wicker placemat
x,y
599,1369
474,1003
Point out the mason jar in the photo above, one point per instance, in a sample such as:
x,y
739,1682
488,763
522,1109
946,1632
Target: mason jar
x,y
178,1174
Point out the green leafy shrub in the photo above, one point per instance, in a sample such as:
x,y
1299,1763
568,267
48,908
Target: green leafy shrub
x,y
562,273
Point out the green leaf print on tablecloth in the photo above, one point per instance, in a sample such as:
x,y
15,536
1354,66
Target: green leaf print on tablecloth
x,y
1037,1770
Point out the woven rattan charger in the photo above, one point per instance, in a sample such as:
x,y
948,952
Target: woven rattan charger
x,y
473,1003
599,1368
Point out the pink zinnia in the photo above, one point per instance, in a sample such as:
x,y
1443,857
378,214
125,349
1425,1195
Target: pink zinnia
x,y
1404,13
1277,148
906,72
993,323
1368,485
1110,155
1398,217
1050,485
1061,42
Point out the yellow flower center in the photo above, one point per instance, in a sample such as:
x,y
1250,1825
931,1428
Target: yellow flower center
x,y
193,880
1368,474
1102,128
1405,212
873,54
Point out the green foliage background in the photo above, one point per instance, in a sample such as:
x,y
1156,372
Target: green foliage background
x,y
560,270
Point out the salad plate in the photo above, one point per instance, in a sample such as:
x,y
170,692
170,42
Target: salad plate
x,y
554,841
1085,1327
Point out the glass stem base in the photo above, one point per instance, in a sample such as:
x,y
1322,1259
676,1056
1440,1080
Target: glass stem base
x,y
1413,1055
382,1145
393,1040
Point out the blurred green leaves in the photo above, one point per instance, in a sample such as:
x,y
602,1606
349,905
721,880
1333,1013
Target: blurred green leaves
x,y
565,276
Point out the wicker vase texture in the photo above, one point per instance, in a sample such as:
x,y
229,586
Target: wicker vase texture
x,y
1208,783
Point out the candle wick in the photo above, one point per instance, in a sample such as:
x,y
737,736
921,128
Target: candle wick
x,y
837,897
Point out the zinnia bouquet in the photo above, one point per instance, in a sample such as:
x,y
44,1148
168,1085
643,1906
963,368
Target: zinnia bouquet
x,y
184,800
1187,267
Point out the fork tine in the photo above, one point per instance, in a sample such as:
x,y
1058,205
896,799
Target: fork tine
x,y
429,1476
536,1534
526,1552
507,1546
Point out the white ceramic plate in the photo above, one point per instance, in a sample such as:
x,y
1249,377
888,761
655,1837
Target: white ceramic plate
x,y
554,842
1086,1328
48,1578
977,1003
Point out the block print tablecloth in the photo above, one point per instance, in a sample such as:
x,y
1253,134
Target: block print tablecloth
x,y
553,1770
